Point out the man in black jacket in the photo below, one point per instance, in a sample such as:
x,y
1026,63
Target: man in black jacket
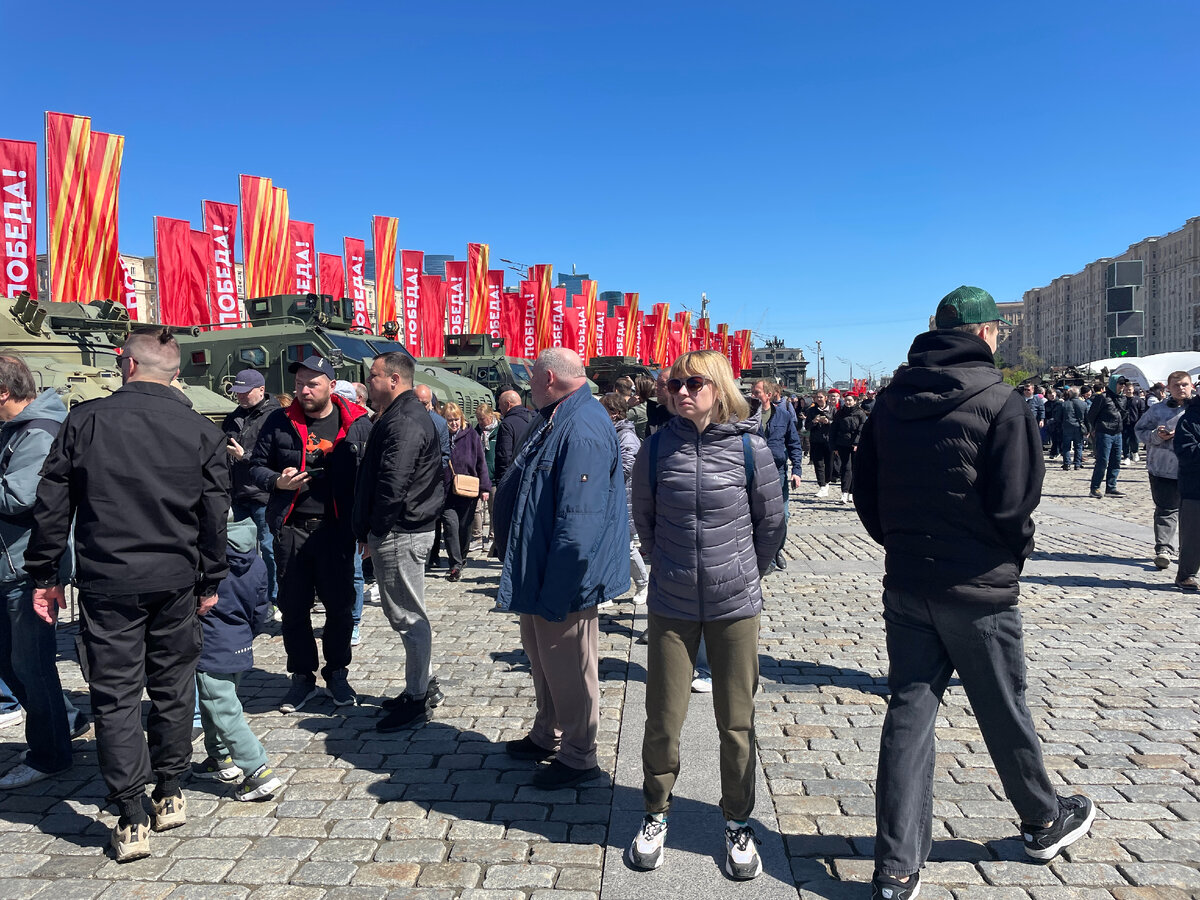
x,y
515,421
401,493
150,552
948,471
306,459
241,427
1106,419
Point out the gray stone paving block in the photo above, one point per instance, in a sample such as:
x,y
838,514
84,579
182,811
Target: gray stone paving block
x,y
68,889
451,875
1168,874
324,873
262,871
525,877
209,892
138,890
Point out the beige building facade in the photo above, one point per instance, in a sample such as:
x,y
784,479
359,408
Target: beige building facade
x,y
1008,348
1064,321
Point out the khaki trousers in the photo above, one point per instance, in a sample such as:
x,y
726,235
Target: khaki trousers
x,y
733,656
564,658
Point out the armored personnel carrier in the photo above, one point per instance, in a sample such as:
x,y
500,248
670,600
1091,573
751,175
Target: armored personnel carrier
x,y
481,358
605,370
73,348
287,328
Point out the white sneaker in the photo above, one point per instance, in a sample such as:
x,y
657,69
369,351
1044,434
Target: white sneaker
x,y
10,718
702,684
21,775
646,851
639,599
741,856
1161,560
824,491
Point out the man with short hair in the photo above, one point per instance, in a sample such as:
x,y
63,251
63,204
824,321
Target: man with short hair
x,y
363,397
1106,419
562,531
1156,429
658,410
400,495
1072,419
515,421
241,429
150,552
27,644
948,472
778,428
306,459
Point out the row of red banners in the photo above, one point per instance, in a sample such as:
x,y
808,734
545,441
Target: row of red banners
x,y
197,283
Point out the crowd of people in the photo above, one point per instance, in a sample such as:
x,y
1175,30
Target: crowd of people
x,y
674,489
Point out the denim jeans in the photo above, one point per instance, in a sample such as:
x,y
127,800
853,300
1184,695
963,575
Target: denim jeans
x,y
359,584
1072,437
1108,453
27,663
927,641
257,512
8,700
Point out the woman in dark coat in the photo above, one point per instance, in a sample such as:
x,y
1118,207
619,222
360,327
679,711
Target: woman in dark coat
x,y
467,457
847,426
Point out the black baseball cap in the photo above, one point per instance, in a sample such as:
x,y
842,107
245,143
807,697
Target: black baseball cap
x,y
967,305
247,380
317,364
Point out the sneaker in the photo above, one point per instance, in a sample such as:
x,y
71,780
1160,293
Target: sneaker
x,y
1161,560
259,786
525,748
605,604
21,775
339,688
702,684
559,775
78,724
355,637
823,491
1075,815
1187,584
276,613
741,856
1137,457
889,887
10,718
130,842
1095,494
639,599
223,770
433,696
169,812
303,689
406,713
646,851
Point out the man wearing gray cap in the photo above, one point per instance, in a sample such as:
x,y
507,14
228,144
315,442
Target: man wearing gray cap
x,y
241,429
307,458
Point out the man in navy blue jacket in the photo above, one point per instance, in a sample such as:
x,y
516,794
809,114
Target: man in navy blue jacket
x,y
562,529
783,439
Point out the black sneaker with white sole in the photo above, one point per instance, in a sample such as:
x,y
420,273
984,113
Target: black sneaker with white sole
x,y
889,887
1075,815
646,851
258,786
339,689
303,689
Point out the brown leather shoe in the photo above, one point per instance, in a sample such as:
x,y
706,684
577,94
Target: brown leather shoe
x,y
1187,584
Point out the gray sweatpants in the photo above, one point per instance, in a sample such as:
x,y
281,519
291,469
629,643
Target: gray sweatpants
x,y
399,559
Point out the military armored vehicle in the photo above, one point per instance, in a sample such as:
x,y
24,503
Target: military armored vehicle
x,y
605,370
73,348
287,328
481,358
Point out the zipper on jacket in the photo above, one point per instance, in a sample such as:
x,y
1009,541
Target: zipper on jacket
x,y
699,552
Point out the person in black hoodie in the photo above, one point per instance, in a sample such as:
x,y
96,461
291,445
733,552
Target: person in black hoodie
x,y
241,428
948,471
1106,420
845,432
515,421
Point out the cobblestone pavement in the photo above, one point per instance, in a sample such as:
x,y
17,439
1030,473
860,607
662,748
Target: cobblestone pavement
x,y
1114,657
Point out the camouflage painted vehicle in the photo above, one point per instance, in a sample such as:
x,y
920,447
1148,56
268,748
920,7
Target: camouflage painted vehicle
x,y
73,348
481,358
605,370
287,328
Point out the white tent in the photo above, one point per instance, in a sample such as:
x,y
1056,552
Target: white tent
x,y
1147,370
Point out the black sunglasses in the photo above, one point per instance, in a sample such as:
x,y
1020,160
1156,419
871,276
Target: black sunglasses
x,y
693,384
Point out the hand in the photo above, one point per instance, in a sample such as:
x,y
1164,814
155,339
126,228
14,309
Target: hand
x,y
48,601
292,479
483,496
235,450
795,482
205,603
364,550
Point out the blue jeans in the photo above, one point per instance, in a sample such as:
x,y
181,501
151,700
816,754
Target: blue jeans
x,y
257,512
27,662
1072,437
358,587
8,700
1108,453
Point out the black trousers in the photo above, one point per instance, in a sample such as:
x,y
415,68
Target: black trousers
x,y
457,517
316,564
133,641
821,454
846,459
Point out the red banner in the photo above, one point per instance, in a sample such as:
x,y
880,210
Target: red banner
x,y
129,289
356,253
575,326
639,338
512,322
256,200
616,327
735,358
412,262
542,275
383,231
528,347
18,190
332,275
610,334
220,224
558,310
495,284
456,297
302,274
180,261
747,348
599,321
477,289
649,341
103,183
433,316
674,341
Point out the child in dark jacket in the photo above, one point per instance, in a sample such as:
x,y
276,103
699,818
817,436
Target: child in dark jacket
x,y
242,610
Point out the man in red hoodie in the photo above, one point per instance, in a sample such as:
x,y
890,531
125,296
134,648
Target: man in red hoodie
x,y
307,458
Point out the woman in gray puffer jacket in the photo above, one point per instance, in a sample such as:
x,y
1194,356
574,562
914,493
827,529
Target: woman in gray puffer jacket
x,y
710,528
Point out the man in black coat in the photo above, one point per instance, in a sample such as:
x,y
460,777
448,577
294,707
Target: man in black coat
x,y
306,459
1106,419
149,532
241,427
948,471
515,421
401,493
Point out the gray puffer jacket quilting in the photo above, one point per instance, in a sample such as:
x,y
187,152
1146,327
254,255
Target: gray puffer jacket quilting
x,y
627,441
707,536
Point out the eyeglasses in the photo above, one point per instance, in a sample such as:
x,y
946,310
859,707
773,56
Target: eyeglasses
x,y
693,383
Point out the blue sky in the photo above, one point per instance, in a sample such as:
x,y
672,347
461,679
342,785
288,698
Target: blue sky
x,y
823,171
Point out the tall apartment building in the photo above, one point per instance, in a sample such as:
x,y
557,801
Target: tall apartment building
x,y
1009,345
1064,320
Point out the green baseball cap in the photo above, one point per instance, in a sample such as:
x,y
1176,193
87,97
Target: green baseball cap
x,y
967,305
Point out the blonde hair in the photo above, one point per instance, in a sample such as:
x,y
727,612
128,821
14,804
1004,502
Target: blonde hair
x,y
453,411
485,410
730,406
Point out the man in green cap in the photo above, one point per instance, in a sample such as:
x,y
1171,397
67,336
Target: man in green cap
x,y
948,471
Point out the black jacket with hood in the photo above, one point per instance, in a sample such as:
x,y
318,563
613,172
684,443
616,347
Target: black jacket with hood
x,y
510,435
243,425
948,471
